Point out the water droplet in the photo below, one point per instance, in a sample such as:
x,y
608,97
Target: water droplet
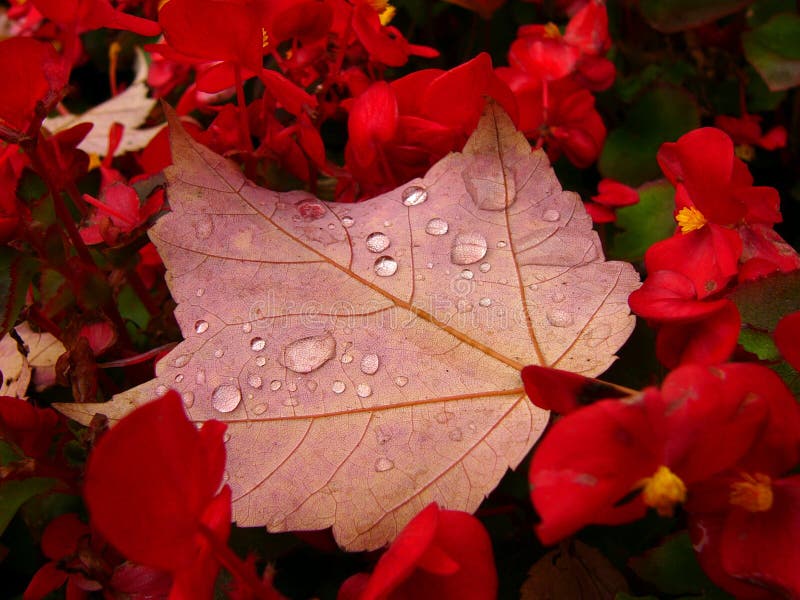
x,y
161,390
199,292
254,381
363,390
310,210
178,377
291,401
455,434
182,360
259,409
338,387
377,242
383,464
437,226
382,434
387,223
347,358
226,398
247,328
188,399
311,385
385,266
260,361
204,227
310,353
348,221
485,267
258,344
533,287
400,380
467,274
275,385
468,248
501,244
485,302
370,364
331,226
559,318
551,215
414,195
291,386
201,326
557,297
200,377
429,265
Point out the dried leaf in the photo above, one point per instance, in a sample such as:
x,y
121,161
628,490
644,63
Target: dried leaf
x,y
366,357
37,362
130,108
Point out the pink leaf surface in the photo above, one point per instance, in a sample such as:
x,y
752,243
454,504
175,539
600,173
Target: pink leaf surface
x,y
366,357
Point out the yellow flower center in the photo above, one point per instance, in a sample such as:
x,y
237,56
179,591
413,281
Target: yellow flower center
x,y
551,30
385,10
745,151
663,491
753,493
690,219
264,38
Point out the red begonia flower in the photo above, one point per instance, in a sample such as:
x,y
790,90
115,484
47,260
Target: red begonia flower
x,y
384,43
543,53
670,296
564,392
119,211
707,341
87,15
33,430
787,338
38,74
747,130
701,422
610,195
152,487
440,554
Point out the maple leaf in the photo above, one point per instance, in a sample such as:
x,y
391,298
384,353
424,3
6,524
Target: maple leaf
x,y
130,108
366,357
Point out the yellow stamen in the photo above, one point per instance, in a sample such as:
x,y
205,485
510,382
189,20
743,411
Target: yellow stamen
x,y
754,493
264,38
387,14
690,219
94,161
551,30
745,151
663,491
113,58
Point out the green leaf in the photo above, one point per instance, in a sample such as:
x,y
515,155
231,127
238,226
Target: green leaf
x,y
761,11
673,568
18,270
764,302
759,343
9,453
662,114
13,494
645,223
774,50
670,16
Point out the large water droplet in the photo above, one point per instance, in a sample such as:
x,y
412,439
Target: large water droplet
x,y
377,242
370,364
275,385
363,390
400,380
551,215
259,409
182,360
310,353
254,381
201,326
559,318
188,399
468,248
348,221
204,227
338,387
414,195
260,361
383,464
385,266
437,226
258,344
226,398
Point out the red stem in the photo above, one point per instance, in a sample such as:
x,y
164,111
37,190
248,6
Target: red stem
x,y
235,566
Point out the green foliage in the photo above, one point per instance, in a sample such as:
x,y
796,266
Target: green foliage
x,y
773,48
669,16
645,223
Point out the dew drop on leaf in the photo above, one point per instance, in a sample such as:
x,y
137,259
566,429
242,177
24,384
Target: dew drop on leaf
x,y
259,409
400,380
385,266
182,360
370,364
559,318
467,274
178,377
275,385
485,267
188,399
377,242
348,221
254,381
247,328
437,226
309,353
501,244
346,358
383,464
161,390
363,390
200,377
551,215
485,302
260,361
414,195
338,387
201,326
257,344
226,398
468,248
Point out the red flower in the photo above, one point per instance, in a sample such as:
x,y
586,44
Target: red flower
x,y
152,486
746,131
610,195
440,554
660,443
787,338
85,15
38,74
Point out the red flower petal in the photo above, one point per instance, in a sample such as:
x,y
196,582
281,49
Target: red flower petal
x,y
787,338
562,391
372,121
60,538
670,296
710,340
47,579
151,478
614,193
